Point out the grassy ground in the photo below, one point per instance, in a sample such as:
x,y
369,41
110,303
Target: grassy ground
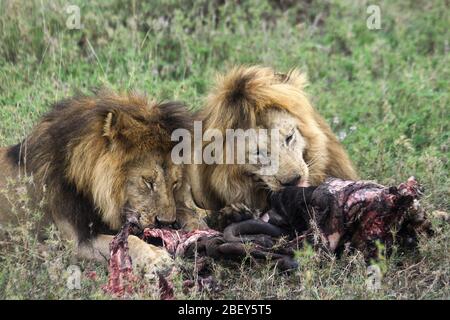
x,y
386,91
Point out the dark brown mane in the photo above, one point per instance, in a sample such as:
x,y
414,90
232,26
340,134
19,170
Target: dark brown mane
x,y
85,136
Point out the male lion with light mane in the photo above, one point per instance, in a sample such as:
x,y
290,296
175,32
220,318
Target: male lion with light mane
x,y
92,160
258,97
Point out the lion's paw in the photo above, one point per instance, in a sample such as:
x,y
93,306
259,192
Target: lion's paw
x,y
231,214
149,258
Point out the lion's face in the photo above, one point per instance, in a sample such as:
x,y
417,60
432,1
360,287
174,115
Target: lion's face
x,y
150,188
259,97
292,168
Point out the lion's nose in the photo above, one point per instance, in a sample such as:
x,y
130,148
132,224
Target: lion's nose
x,y
164,222
291,181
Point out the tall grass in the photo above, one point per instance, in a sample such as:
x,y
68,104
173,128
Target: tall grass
x,y
385,93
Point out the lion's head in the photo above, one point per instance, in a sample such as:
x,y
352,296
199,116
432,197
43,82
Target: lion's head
x,y
151,182
107,154
289,150
257,97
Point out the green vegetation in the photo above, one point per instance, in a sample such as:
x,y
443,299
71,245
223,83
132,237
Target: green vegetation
x,y
386,91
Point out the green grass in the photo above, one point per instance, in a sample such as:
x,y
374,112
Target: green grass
x,y
387,90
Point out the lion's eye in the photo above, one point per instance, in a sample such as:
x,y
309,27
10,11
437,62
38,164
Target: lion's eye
x,y
149,183
289,138
176,185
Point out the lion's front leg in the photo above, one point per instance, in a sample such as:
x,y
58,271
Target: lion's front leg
x,y
190,220
232,213
189,215
144,256
148,257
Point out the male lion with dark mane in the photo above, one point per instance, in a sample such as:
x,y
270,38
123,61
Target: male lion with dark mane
x,y
92,160
258,97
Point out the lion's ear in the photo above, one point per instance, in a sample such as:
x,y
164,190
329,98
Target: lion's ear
x,y
294,77
108,126
120,127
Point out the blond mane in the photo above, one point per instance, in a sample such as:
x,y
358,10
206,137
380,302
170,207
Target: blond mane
x,y
238,99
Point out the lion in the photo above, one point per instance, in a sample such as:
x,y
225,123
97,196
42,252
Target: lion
x,y
93,160
260,98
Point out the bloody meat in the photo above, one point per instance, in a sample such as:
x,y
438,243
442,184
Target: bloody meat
x,y
120,268
336,214
353,213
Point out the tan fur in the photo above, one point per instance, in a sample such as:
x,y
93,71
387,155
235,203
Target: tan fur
x,y
92,160
256,97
